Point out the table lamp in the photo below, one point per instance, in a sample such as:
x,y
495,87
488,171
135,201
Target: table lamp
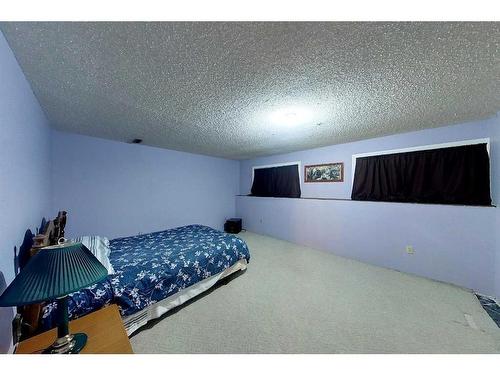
x,y
55,272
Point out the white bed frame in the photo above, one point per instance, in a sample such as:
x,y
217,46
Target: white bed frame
x,y
135,321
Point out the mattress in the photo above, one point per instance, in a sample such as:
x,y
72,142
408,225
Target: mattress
x,y
140,318
152,267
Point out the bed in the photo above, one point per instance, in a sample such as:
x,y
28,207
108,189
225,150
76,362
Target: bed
x,y
156,272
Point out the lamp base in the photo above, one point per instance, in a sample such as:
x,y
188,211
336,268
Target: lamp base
x,y
69,344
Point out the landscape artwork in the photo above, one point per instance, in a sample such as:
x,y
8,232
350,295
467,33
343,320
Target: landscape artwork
x,y
332,172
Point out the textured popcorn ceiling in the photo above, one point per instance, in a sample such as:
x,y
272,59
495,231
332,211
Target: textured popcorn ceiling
x,y
224,89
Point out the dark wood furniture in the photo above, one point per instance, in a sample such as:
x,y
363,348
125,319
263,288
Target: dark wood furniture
x,y
53,231
104,328
49,235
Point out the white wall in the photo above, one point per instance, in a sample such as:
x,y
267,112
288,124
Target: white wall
x,y
455,244
117,189
24,171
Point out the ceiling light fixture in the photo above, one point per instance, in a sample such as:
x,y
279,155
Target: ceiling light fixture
x,y
292,116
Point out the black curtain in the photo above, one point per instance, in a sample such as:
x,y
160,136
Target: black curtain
x,y
281,182
454,175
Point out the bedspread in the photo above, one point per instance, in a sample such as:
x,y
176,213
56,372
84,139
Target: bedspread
x,y
153,266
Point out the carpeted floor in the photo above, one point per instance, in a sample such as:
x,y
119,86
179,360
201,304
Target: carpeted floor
x,y
293,299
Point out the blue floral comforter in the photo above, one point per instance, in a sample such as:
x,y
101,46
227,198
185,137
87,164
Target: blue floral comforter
x,y
151,267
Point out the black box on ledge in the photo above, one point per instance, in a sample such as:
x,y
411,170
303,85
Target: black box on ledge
x,y
233,225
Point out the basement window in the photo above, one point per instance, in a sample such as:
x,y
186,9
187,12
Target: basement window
x,y
278,180
450,173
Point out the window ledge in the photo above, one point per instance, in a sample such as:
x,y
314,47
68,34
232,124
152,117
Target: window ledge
x,y
351,200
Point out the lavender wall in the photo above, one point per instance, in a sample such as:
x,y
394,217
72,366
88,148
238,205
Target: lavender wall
x,y
455,244
117,189
24,171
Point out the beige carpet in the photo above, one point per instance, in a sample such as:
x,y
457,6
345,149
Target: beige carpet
x,y
294,299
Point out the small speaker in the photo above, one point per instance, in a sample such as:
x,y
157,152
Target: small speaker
x,y
233,225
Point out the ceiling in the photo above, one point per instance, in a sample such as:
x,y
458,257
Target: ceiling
x,y
241,90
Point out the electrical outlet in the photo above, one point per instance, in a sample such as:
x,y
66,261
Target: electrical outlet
x,y
260,220
410,250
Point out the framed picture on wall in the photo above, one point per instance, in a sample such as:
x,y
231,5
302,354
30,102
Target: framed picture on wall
x,y
331,172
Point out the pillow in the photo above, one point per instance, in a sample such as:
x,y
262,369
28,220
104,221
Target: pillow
x,y
99,246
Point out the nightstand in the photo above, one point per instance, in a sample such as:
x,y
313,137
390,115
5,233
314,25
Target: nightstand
x,y
104,328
